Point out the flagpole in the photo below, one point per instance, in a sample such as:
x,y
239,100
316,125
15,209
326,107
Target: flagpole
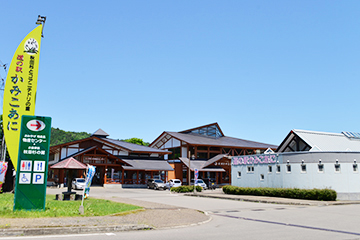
x,y
81,208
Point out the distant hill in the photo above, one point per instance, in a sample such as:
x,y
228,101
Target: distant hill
x,y
59,136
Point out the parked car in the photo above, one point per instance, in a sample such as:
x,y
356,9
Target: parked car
x,y
200,183
211,183
156,184
78,183
173,183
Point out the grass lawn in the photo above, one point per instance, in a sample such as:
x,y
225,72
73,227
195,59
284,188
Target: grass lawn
x,y
54,208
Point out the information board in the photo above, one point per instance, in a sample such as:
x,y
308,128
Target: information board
x,y
31,174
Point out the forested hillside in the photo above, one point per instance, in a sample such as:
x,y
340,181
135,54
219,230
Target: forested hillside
x,y
59,136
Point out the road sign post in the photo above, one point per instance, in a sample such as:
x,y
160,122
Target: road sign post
x,y
31,174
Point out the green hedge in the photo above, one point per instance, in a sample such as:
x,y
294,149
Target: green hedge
x,y
184,189
309,194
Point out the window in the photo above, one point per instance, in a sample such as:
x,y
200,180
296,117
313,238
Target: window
x,y
303,168
262,177
250,169
270,169
337,167
175,153
321,167
288,168
239,174
278,168
355,167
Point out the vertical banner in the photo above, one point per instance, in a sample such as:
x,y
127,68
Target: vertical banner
x,y
3,168
90,174
20,89
196,176
31,176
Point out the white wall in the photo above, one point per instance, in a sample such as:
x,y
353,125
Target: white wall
x,y
345,181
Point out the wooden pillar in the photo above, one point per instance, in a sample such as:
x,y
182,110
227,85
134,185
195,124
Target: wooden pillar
x,y
137,177
122,176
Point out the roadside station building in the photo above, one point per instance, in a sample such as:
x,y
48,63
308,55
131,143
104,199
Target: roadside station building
x,y
116,162
206,149
306,160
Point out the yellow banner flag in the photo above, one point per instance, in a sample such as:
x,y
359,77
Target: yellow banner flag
x,y
20,90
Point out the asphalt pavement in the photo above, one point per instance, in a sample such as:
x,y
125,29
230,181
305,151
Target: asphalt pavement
x,y
161,211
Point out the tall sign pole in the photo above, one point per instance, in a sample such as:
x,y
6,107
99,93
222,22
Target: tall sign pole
x,y
20,88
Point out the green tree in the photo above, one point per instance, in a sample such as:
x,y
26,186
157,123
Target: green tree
x,y
137,141
59,136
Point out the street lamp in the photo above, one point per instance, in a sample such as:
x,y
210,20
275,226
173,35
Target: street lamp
x,y
41,21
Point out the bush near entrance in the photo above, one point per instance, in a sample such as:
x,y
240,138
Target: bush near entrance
x,y
309,194
185,189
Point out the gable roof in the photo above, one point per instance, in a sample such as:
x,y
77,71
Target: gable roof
x,y
69,163
210,141
322,141
100,133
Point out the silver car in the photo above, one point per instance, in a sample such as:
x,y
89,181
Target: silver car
x,y
173,183
156,184
78,183
200,183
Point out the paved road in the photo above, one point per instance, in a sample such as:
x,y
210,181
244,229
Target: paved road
x,y
242,220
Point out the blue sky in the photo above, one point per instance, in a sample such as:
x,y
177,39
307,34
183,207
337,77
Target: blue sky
x,y
138,68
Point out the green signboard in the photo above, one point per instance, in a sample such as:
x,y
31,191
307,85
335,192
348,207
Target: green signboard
x,y
32,165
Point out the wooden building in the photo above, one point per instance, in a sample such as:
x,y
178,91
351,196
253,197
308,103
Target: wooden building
x,y
116,162
208,148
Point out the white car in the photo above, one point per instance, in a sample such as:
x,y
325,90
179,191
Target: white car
x,y
200,183
78,183
173,183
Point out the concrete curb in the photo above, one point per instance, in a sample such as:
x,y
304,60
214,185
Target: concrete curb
x,y
70,230
274,200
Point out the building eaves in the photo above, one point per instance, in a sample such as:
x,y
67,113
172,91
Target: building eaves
x,y
194,139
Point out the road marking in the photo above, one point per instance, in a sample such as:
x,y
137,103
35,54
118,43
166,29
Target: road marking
x,y
288,224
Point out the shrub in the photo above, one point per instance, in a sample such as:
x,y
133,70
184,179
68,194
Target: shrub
x,y
309,194
185,188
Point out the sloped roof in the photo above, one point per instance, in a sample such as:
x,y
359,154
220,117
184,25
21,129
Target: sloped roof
x,y
100,133
324,141
214,159
140,164
69,163
222,141
135,147
201,165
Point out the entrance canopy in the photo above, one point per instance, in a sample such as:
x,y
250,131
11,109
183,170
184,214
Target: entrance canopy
x,y
69,163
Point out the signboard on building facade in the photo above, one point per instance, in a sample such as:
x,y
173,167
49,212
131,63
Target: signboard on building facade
x,y
20,89
254,159
30,188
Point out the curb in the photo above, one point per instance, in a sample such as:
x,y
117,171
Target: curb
x,y
286,202
190,225
70,230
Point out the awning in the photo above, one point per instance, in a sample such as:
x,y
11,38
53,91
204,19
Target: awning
x,y
147,165
199,165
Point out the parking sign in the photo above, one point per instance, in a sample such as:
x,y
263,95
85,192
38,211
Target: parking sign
x,y
31,175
